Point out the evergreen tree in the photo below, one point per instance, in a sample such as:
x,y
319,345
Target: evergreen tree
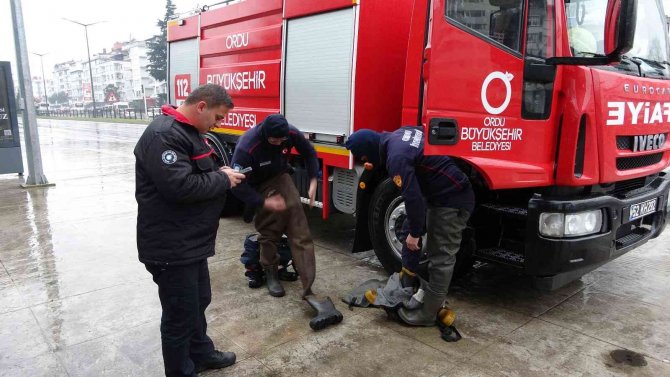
x,y
157,46
60,98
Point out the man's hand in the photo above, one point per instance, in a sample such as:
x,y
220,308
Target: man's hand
x,y
312,191
412,242
234,177
275,203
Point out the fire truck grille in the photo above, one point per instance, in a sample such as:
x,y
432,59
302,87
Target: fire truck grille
x,y
627,163
623,187
624,143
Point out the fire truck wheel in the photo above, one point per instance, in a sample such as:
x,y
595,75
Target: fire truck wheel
x,y
223,154
387,213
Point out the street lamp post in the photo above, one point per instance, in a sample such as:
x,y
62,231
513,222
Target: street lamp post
x,y
44,81
88,51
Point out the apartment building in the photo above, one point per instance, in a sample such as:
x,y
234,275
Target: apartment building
x,y
124,66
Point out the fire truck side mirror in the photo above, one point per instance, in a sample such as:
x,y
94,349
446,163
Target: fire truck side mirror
x,y
620,27
619,33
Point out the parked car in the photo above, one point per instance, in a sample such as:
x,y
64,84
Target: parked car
x,y
120,107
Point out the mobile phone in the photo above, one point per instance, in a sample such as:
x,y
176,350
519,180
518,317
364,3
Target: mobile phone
x,y
245,170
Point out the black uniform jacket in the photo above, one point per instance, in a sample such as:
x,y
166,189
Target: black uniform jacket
x,y
180,192
268,161
435,180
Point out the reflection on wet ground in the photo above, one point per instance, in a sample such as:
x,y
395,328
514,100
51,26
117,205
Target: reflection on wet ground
x,y
74,300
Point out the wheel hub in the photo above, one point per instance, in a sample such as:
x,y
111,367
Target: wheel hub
x,y
395,216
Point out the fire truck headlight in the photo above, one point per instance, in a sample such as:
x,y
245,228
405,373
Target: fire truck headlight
x,y
571,224
551,224
583,223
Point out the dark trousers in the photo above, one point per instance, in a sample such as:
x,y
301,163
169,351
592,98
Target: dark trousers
x,y
445,231
444,228
185,293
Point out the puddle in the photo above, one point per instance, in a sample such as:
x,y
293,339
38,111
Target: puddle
x,y
628,357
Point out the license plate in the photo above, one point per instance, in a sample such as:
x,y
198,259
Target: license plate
x,y
642,209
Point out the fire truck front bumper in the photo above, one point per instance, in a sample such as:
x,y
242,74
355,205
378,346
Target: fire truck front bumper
x,y
568,238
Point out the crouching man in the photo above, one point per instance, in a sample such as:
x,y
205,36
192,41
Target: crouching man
x,y
438,201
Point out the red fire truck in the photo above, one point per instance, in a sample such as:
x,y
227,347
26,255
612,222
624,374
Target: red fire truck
x,y
558,110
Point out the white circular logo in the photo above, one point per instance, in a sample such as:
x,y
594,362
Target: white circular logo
x,y
169,157
506,78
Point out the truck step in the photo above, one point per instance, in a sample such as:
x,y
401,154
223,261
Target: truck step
x,y
633,237
500,255
506,210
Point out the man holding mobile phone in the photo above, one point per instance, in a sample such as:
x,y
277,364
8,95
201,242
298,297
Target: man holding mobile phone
x,y
180,192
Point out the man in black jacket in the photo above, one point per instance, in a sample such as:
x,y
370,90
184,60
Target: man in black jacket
x,y
180,193
438,200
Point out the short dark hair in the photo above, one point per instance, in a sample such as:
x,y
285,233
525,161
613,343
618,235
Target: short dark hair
x,y
213,95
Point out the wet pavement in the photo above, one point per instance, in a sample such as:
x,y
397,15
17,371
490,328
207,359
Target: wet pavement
x,y
74,300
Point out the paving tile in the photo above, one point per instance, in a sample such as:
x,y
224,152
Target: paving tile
x,y
251,317
651,287
618,320
10,298
44,365
116,354
95,314
360,347
468,370
47,284
493,285
478,325
20,337
257,321
543,349
245,368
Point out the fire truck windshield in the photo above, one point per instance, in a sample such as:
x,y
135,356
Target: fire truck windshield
x,y
586,24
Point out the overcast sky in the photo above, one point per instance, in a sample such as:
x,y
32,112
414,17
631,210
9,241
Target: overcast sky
x,y
47,32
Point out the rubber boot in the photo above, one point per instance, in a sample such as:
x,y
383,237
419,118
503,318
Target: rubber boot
x,y
427,313
255,279
272,280
326,313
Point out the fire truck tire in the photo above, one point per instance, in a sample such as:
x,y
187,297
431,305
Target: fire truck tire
x,y
386,211
223,155
385,199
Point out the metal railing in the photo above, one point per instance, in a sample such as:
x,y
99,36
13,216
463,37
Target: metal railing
x,y
102,113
